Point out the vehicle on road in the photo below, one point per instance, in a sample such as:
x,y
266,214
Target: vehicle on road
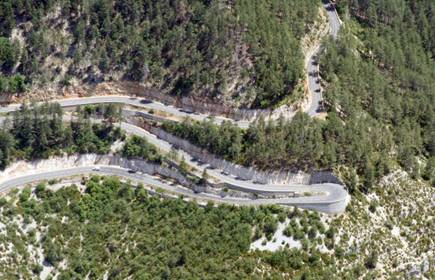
x,y
132,171
322,106
187,111
96,168
259,182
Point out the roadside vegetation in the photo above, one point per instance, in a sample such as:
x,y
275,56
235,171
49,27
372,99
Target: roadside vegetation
x,y
139,147
103,226
303,144
108,112
39,131
116,229
380,75
379,91
184,48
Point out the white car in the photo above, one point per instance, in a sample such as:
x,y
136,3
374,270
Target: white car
x,y
96,168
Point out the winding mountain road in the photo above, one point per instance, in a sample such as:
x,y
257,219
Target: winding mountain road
x,y
312,67
329,198
140,103
330,202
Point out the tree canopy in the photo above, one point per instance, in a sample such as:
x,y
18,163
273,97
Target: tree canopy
x,y
40,131
246,51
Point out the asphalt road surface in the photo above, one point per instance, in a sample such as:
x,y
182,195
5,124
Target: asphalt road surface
x,y
133,101
312,67
326,203
330,198
313,86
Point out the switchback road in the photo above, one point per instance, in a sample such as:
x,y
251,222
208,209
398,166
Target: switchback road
x,y
330,198
312,67
317,203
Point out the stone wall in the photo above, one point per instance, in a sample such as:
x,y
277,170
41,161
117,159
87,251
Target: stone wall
x,y
26,168
320,177
245,173
151,169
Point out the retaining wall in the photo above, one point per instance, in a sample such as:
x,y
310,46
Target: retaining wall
x,y
320,177
151,168
246,173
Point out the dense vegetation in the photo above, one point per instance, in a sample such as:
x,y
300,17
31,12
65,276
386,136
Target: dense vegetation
x,y
115,228
139,147
39,131
390,82
304,143
380,95
12,83
109,112
183,47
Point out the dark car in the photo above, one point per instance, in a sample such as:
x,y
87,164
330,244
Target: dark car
x,y
313,73
146,101
187,111
259,182
132,171
321,107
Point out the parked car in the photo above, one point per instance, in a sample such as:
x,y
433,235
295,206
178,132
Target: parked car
x,y
146,101
241,178
259,182
187,111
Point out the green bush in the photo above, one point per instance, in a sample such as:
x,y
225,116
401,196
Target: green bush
x,y
139,147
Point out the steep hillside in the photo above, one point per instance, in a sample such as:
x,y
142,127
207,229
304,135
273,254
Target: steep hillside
x,y
102,227
242,53
381,75
379,92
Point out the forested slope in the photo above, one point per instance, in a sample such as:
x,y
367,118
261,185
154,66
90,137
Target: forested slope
x,y
379,89
102,227
40,131
381,73
243,52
